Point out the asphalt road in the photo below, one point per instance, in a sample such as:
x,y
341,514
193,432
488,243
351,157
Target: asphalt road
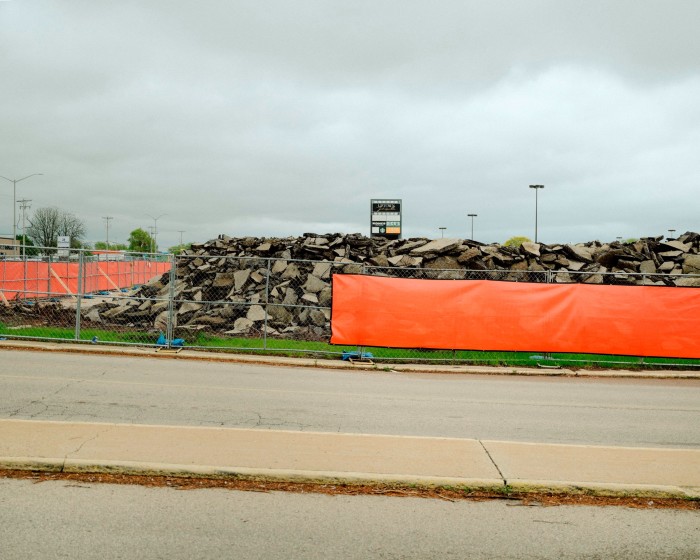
x,y
80,520
93,388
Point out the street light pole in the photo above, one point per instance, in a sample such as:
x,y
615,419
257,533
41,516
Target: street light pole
x,y
155,230
14,201
151,231
442,231
472,216
536,187
107,219
24,205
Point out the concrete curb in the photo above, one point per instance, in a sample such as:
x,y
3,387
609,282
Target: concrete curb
x,y
323,363
496,486
331,458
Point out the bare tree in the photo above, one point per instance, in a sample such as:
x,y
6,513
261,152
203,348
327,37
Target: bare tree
x,y
47,224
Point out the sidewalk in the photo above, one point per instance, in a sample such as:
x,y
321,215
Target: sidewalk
x,y
329,363
313,456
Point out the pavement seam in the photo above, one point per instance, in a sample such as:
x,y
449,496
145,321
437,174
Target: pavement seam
x,y
503,478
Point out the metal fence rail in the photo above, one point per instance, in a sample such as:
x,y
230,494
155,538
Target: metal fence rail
x,y
230,302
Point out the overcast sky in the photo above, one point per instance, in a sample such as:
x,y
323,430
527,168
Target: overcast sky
x,y
275,118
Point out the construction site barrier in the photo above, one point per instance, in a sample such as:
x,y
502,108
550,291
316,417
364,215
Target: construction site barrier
x,y
515,316
39,279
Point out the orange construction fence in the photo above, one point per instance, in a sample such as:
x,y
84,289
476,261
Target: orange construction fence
x,y
511,316
38,279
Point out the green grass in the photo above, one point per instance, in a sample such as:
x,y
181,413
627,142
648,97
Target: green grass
x,y
302,347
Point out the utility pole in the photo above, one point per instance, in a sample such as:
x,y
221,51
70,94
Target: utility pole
x,y
181,232
24,206
107,219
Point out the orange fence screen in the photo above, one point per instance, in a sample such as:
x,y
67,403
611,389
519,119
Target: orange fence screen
x,y
512,316
35,279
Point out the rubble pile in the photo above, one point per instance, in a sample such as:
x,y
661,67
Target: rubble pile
x,y
221,285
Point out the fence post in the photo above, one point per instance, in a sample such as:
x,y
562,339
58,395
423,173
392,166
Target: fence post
x,y
267,301
549,278
171,302
24,258
79,295
49,275
361,349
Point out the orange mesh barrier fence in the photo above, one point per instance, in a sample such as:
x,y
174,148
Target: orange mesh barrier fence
x,y
512,316
40,279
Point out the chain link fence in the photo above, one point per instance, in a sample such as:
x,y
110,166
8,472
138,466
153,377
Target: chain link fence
x,y
237,303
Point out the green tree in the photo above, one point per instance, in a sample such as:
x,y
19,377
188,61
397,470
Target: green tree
x,y
102,245
516,241
29,248
141,242
177,249
47,224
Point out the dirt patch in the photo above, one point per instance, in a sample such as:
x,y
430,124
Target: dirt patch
x,y
532,499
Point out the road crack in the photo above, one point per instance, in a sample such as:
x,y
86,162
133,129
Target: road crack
x,y
83,444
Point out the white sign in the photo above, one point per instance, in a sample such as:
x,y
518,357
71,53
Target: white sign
x,y
63,244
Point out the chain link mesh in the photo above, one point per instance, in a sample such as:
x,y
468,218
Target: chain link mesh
x,y
223,301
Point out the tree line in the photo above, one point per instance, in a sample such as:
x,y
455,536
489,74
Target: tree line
x,y
46,225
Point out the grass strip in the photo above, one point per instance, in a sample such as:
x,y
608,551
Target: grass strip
x,y
289,347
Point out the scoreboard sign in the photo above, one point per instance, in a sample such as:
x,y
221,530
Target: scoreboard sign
x,y
385,218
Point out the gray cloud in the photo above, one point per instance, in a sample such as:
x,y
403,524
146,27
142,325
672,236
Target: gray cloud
x,y
276,118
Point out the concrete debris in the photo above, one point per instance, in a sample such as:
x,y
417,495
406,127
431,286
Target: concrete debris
x,y
250,286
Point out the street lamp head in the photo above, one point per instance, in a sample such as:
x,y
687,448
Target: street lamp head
x,y
472,215
536,186
14,200
18,180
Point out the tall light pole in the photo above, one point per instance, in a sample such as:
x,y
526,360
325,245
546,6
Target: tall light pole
x,y
107,219
671,232
472,216
155,230
442,231
14,201
536,187
151,229
24,205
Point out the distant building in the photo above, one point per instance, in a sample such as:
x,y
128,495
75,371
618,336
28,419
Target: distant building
x,y
9,247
